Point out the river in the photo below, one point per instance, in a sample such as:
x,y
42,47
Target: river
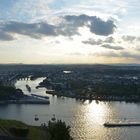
x,y
85,118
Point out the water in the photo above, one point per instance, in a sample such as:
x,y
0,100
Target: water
x,y
85,118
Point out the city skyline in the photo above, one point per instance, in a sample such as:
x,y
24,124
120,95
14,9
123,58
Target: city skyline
x,y
69,32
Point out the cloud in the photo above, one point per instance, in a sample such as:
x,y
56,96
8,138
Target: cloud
x,y
68,26
105,54
100,27
127,55
34,30
5,36
109,40
129,38
130,55
38,30
106,43
95,24
108,46
93,42
138,39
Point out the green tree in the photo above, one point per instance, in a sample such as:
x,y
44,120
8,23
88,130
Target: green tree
x,y
58,130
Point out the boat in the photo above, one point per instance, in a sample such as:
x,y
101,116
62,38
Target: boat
x,y
122,124
45,97
28,88
53,118
36,118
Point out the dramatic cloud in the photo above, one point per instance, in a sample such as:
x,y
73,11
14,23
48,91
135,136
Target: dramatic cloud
x,y
108,46
67,27
34,30
103,28
5,36
62,31
95,24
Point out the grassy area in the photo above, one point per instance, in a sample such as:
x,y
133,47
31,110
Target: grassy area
x,y
35,132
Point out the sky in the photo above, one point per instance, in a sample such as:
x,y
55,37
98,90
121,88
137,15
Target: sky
x,y
69,31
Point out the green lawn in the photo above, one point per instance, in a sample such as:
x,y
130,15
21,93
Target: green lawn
x,y
35,132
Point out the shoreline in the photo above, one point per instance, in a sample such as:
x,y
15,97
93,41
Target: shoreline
x,y
26,100
98,98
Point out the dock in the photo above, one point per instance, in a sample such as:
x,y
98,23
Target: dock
x,y
122,124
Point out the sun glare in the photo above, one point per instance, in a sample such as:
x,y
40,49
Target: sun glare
x,y
96,112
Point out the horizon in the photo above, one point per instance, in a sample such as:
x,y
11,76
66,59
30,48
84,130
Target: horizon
x,y
86,64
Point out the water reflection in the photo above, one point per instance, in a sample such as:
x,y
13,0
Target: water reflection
x,y
88,120
96,112
85,117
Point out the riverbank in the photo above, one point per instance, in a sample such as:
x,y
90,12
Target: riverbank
x,y
16,130
34,132
26,100
79,114
95,97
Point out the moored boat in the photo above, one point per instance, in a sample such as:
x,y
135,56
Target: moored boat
x,y
28,88
122,124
